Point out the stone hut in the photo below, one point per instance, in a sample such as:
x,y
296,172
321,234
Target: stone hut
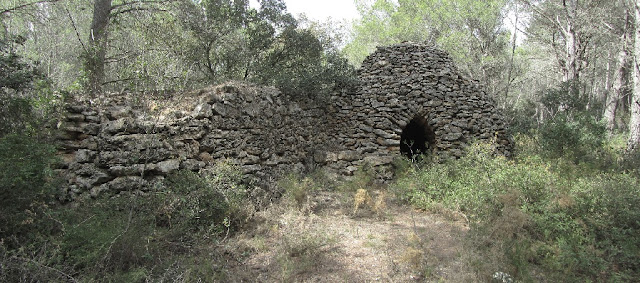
x,y
410,99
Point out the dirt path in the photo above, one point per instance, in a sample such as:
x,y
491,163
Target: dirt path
x,y
326,241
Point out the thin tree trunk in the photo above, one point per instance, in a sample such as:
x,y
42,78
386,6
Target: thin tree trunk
x,y
572,68
513,53
95,59
634,124
618,88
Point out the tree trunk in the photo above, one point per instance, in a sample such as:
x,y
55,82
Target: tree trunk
x,y
634,124
618,89
513,53
572,69
95,59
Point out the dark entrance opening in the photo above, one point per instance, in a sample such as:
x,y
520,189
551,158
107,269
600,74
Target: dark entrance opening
x,y
417,138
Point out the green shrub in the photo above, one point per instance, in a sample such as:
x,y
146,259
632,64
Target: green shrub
x,y
296,189
129,237
299,65
209,202
523,118
27,184
228,179
16,73
107,235
578,138
572,221
192,203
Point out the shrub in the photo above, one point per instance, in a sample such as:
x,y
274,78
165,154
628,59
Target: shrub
x,y
573,222
297,189
108,235
522,119
192,204
576,137
132,237
299,65
27,184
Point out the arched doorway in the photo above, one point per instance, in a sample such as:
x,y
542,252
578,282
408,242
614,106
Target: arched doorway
x,y
417,138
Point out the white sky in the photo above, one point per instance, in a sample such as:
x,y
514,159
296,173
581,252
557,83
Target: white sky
x,y
322,9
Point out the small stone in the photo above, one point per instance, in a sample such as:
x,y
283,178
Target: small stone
x,y
168,166
85,156
192,165
202,111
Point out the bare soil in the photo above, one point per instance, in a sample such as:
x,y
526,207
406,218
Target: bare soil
x,y
325,240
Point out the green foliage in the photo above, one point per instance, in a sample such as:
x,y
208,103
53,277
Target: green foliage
x,y
18,78
134,238
298,64
573,222
563,98
192,204
26,185
15,73
296,189
522,120
468,29
232,41
107,235
16,114
576,137
128,237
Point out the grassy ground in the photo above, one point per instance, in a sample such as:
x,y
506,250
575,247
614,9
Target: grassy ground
x,y
326,241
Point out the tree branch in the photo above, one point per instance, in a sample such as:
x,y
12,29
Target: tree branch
x,y
133,9
554,22
140,2
9,10
73,24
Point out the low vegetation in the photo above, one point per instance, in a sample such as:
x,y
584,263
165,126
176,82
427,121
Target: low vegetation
x,y
158,235
537,218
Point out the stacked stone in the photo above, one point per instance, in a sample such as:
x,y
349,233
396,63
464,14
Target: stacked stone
x,y
124,143
404,81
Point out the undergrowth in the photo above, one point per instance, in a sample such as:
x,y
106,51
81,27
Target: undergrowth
x,y
535,216
169,234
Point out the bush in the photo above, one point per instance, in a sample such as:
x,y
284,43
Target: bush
x,y
522,119
27,184
299,65
576,137
203,203
191,204
573,222
128,237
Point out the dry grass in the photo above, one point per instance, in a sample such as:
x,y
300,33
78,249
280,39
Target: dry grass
x,y
370,204
329,243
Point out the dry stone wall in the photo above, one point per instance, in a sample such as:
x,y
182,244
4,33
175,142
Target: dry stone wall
x,y
410,98
123,142
413,90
